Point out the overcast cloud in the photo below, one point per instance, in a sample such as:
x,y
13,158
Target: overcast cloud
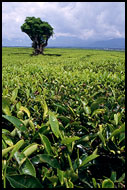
x,y
85,20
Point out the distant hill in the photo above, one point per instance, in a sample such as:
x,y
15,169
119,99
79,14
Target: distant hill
x,y
71,42
113,43
63,41
16,42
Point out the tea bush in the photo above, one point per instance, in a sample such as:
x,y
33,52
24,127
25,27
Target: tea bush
x,y
63,122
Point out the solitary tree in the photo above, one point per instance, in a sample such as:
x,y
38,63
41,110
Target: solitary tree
x,y
39,32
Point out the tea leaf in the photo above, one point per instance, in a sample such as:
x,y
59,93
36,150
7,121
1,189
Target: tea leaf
x,y
88,159
6,150
107,183
22,108
53,179
16,122
121,178
7,140
98,111
24,181
45,108
113,176
60,175
30,149
54,124
118,131
87,109
46,143
68,140
19,157
116,118
70,184
94,182
101,137
14,94
96,103
17,146
45,158
28,168
6,106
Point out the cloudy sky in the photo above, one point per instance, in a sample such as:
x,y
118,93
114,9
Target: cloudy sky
x,y
84,20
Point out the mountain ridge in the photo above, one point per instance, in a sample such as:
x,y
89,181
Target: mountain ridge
x,y
70,42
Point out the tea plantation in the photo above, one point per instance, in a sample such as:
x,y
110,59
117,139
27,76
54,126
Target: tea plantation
x,y
63,118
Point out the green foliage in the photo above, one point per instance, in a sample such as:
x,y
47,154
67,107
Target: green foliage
x,y
63,122
39,31
107,183
46,143
16,122
34,26
54,124
24,181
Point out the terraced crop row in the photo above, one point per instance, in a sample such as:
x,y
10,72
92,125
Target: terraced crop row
x,y
63,122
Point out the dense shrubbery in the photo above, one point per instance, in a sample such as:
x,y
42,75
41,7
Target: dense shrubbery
x,y
63,121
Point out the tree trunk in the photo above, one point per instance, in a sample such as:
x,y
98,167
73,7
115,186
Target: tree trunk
x,y
39,48
42,46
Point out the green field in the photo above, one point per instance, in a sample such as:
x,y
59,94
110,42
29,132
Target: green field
x,y
63,122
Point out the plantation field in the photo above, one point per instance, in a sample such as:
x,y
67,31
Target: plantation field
x,y
63,118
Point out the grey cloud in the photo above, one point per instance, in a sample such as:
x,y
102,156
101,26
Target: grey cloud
x,y
85,20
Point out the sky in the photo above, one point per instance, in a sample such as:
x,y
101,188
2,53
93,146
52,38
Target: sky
x,y
83,20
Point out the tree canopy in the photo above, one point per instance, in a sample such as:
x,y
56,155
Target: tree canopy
x,y
39,32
